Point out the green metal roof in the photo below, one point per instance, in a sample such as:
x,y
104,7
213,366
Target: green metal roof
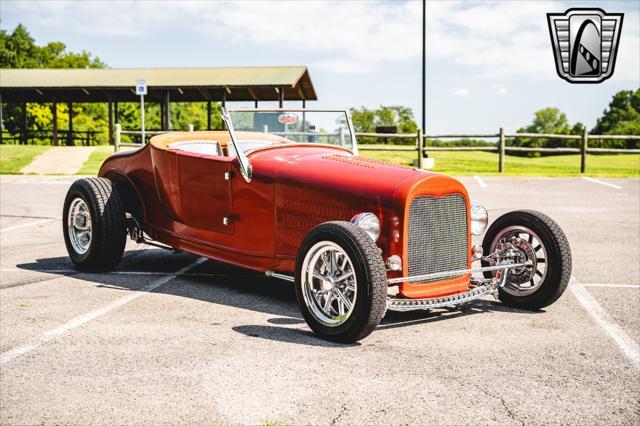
x,y
232,83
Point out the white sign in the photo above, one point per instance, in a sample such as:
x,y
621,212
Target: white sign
x,y
141,87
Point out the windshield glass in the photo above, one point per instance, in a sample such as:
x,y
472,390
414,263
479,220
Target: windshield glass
x,y
252,128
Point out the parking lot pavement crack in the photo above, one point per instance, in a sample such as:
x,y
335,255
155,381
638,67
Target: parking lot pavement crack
x,y
507,410
343,411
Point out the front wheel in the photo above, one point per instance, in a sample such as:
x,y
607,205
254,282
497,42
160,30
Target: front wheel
x,y
93,223
341,282
536,238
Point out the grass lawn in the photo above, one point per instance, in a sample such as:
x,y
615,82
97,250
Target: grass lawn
x,y
14,157
486,163
97,157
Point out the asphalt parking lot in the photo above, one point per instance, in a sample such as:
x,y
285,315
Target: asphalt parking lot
x,y
171,339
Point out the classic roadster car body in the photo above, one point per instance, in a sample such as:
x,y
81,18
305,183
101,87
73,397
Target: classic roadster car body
x,y
295,201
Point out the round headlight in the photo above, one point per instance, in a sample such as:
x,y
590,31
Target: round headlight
x,y
369,222
479,219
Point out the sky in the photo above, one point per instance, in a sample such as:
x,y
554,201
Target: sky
x,y
489,64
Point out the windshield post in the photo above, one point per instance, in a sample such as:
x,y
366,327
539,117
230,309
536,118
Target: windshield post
x,y
245,166
354,144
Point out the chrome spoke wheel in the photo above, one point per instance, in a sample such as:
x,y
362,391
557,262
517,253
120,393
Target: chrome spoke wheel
x,y
79,226
525,280
329,285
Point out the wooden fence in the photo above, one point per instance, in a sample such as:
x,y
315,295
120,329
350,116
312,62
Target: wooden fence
x,y
421,150
500,147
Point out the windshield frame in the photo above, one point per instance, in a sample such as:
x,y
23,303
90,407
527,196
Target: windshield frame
x,y
245,164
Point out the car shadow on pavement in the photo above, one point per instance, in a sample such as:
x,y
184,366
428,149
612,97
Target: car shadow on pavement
x,y
223,284
395,319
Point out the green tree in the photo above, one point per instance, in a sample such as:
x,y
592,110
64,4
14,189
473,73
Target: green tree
x,y
622,117
549,121
365,120
19,50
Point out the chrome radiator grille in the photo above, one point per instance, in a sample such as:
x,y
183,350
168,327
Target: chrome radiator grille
x,y
437,239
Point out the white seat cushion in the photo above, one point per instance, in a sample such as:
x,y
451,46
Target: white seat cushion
x,y
198,147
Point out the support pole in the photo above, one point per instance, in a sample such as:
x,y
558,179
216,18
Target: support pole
x,y
23,133
208,115
54,120
1,119
70,135
583,151
420,148
142,123
501,145
115,113
281,98
255,103
118,137
166,123
304,121
424,64
110,120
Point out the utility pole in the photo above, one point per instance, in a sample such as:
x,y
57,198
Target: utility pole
x,y
424,64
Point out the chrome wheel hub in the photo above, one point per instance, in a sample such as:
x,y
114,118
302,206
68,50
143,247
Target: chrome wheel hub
x,y
329,284
79,226
521,244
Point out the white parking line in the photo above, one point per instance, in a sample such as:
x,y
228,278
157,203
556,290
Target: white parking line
x,y
480,181
628,346
91,315
26,225
613,285
71,271
602,182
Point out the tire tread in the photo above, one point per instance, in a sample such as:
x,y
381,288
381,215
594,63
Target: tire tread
x,y
539,299
373,266
109,230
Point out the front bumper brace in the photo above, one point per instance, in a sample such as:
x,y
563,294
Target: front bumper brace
x,y
480,288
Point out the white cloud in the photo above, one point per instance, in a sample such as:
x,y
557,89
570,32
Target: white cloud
x,y
499,89
497,39
461,92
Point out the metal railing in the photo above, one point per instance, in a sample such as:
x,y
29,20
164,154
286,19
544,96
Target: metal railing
x,y
421,149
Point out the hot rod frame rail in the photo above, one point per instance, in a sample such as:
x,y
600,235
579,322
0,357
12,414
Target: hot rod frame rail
x,y
478,288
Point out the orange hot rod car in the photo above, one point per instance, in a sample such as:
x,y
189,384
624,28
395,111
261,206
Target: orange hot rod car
x,y
284,192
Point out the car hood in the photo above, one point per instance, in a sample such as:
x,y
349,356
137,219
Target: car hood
x,y
331,169
336,171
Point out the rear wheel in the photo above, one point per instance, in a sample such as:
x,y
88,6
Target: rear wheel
x,y
340,282
538,239
94,224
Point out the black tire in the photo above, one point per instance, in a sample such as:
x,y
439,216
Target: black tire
x,y
108,225
558,262
371,301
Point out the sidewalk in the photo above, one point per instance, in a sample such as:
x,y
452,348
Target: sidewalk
x,y
59,160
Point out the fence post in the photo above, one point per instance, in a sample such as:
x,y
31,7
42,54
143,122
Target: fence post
x,y
116,140
420,147
583,151
501,151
